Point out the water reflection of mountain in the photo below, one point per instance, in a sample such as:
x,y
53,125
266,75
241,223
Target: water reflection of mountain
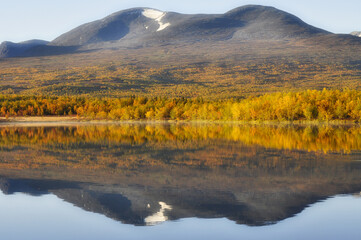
x,y
143,175
142,204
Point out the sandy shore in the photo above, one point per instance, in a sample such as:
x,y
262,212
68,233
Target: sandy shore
x,y
43,121
66,121
40,119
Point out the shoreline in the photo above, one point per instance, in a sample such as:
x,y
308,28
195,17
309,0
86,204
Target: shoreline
x,y
74,120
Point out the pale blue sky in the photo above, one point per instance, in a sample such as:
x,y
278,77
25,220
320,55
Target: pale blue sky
x,y
46,19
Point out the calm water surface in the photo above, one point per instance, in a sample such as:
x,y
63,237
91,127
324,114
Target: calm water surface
x,y
180,181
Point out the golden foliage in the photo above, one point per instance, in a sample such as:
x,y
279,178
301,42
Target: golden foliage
x,y
134,146
308,138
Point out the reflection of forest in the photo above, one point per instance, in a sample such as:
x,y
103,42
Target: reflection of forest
x,y
326,138
251,174
130,146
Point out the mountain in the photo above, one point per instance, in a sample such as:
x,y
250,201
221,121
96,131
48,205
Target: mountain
x,y
142,27
356,33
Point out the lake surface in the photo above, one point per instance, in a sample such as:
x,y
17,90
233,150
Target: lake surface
x,y
180,181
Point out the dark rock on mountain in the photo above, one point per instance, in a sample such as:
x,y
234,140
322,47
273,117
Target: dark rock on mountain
x,y
49,50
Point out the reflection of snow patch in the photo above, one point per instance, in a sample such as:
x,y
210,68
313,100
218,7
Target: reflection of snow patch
x,y
159,216
156,16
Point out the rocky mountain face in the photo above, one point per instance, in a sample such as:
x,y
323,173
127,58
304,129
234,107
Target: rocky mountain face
x,y
142,27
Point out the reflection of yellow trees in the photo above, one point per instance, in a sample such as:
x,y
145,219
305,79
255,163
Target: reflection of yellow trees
x,y
326,139
323,105
309,138
134,146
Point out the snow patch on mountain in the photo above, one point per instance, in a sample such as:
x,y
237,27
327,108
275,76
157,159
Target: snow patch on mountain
x,y
153,14
357,33
156,16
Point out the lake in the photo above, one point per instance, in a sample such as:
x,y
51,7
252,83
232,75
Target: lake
x,y
180,181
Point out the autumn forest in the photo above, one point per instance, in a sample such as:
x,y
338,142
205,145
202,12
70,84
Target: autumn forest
x,y
325,105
